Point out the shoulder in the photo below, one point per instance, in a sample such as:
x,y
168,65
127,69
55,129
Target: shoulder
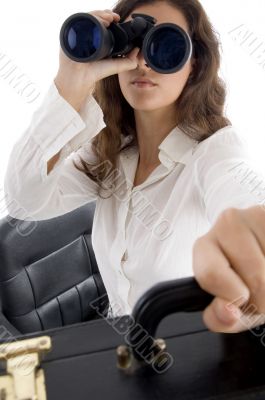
x,y
225,142
227,136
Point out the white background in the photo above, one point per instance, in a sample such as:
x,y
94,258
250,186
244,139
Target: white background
x,y
29,40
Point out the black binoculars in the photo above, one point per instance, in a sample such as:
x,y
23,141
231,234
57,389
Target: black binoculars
x,y
166,47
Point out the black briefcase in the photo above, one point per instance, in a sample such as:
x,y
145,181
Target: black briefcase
x,y
162,351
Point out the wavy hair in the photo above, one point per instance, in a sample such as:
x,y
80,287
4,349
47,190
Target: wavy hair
x,y
200,106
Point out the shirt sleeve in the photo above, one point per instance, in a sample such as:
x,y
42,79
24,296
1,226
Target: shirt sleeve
x,y
31,193
225,174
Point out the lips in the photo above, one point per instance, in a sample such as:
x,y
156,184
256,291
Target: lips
x,y
139,80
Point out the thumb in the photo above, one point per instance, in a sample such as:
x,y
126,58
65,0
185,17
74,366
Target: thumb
x,y
130,60
133,53
111,66
221,316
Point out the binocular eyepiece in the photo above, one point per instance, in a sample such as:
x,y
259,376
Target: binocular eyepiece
x,y
166,47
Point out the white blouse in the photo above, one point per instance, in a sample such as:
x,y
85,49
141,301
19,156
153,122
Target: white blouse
x,y
141,235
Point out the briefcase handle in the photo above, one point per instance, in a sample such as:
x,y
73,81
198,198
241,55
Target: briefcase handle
x,y
167,298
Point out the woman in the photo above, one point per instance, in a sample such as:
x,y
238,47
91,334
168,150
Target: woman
x,y
160,159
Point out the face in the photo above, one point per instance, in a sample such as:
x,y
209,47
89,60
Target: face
x,y
168,86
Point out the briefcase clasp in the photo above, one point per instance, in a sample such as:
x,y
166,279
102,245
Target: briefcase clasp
x,y
129,364
24,379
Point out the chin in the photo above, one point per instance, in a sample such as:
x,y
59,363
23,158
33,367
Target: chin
x,y
138,108
143,105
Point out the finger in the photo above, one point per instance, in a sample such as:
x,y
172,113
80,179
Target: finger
x,y
214,273
255,218
110,16
106,15
241,247
132,55
109,67
218,318
221,316
128,61
103,20
112,13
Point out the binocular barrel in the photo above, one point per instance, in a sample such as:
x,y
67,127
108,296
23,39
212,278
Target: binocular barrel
x,y
166,47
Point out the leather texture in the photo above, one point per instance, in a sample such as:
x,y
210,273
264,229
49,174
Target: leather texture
x,y
49,274
82,363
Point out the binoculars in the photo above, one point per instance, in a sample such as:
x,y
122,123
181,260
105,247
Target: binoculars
x,y
166,47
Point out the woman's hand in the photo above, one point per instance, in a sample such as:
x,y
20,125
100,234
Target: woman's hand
x,y
229,263
75,81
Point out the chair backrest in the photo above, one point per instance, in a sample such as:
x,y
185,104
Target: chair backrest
x,y
48,273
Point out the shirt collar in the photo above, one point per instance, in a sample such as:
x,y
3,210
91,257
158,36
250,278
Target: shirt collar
x,y
177,147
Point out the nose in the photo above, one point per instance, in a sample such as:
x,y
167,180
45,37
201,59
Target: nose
x,y
141,61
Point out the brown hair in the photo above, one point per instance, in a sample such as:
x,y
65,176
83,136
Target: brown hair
x,y
200,105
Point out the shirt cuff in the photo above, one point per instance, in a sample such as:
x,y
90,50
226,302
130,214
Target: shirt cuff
x,y
56,126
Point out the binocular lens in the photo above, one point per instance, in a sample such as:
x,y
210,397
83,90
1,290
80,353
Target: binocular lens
x,y
82,38
167,49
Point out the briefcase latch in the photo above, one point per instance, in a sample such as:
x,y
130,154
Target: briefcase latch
x,y
24,379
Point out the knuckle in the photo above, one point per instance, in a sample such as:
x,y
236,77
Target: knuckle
x,y
112,13
107,13
197,252
228,223
256,214
199,245
229,216
207,276
99,13
199,242
257,283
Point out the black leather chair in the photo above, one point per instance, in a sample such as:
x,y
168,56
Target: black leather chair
x,y
48,273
